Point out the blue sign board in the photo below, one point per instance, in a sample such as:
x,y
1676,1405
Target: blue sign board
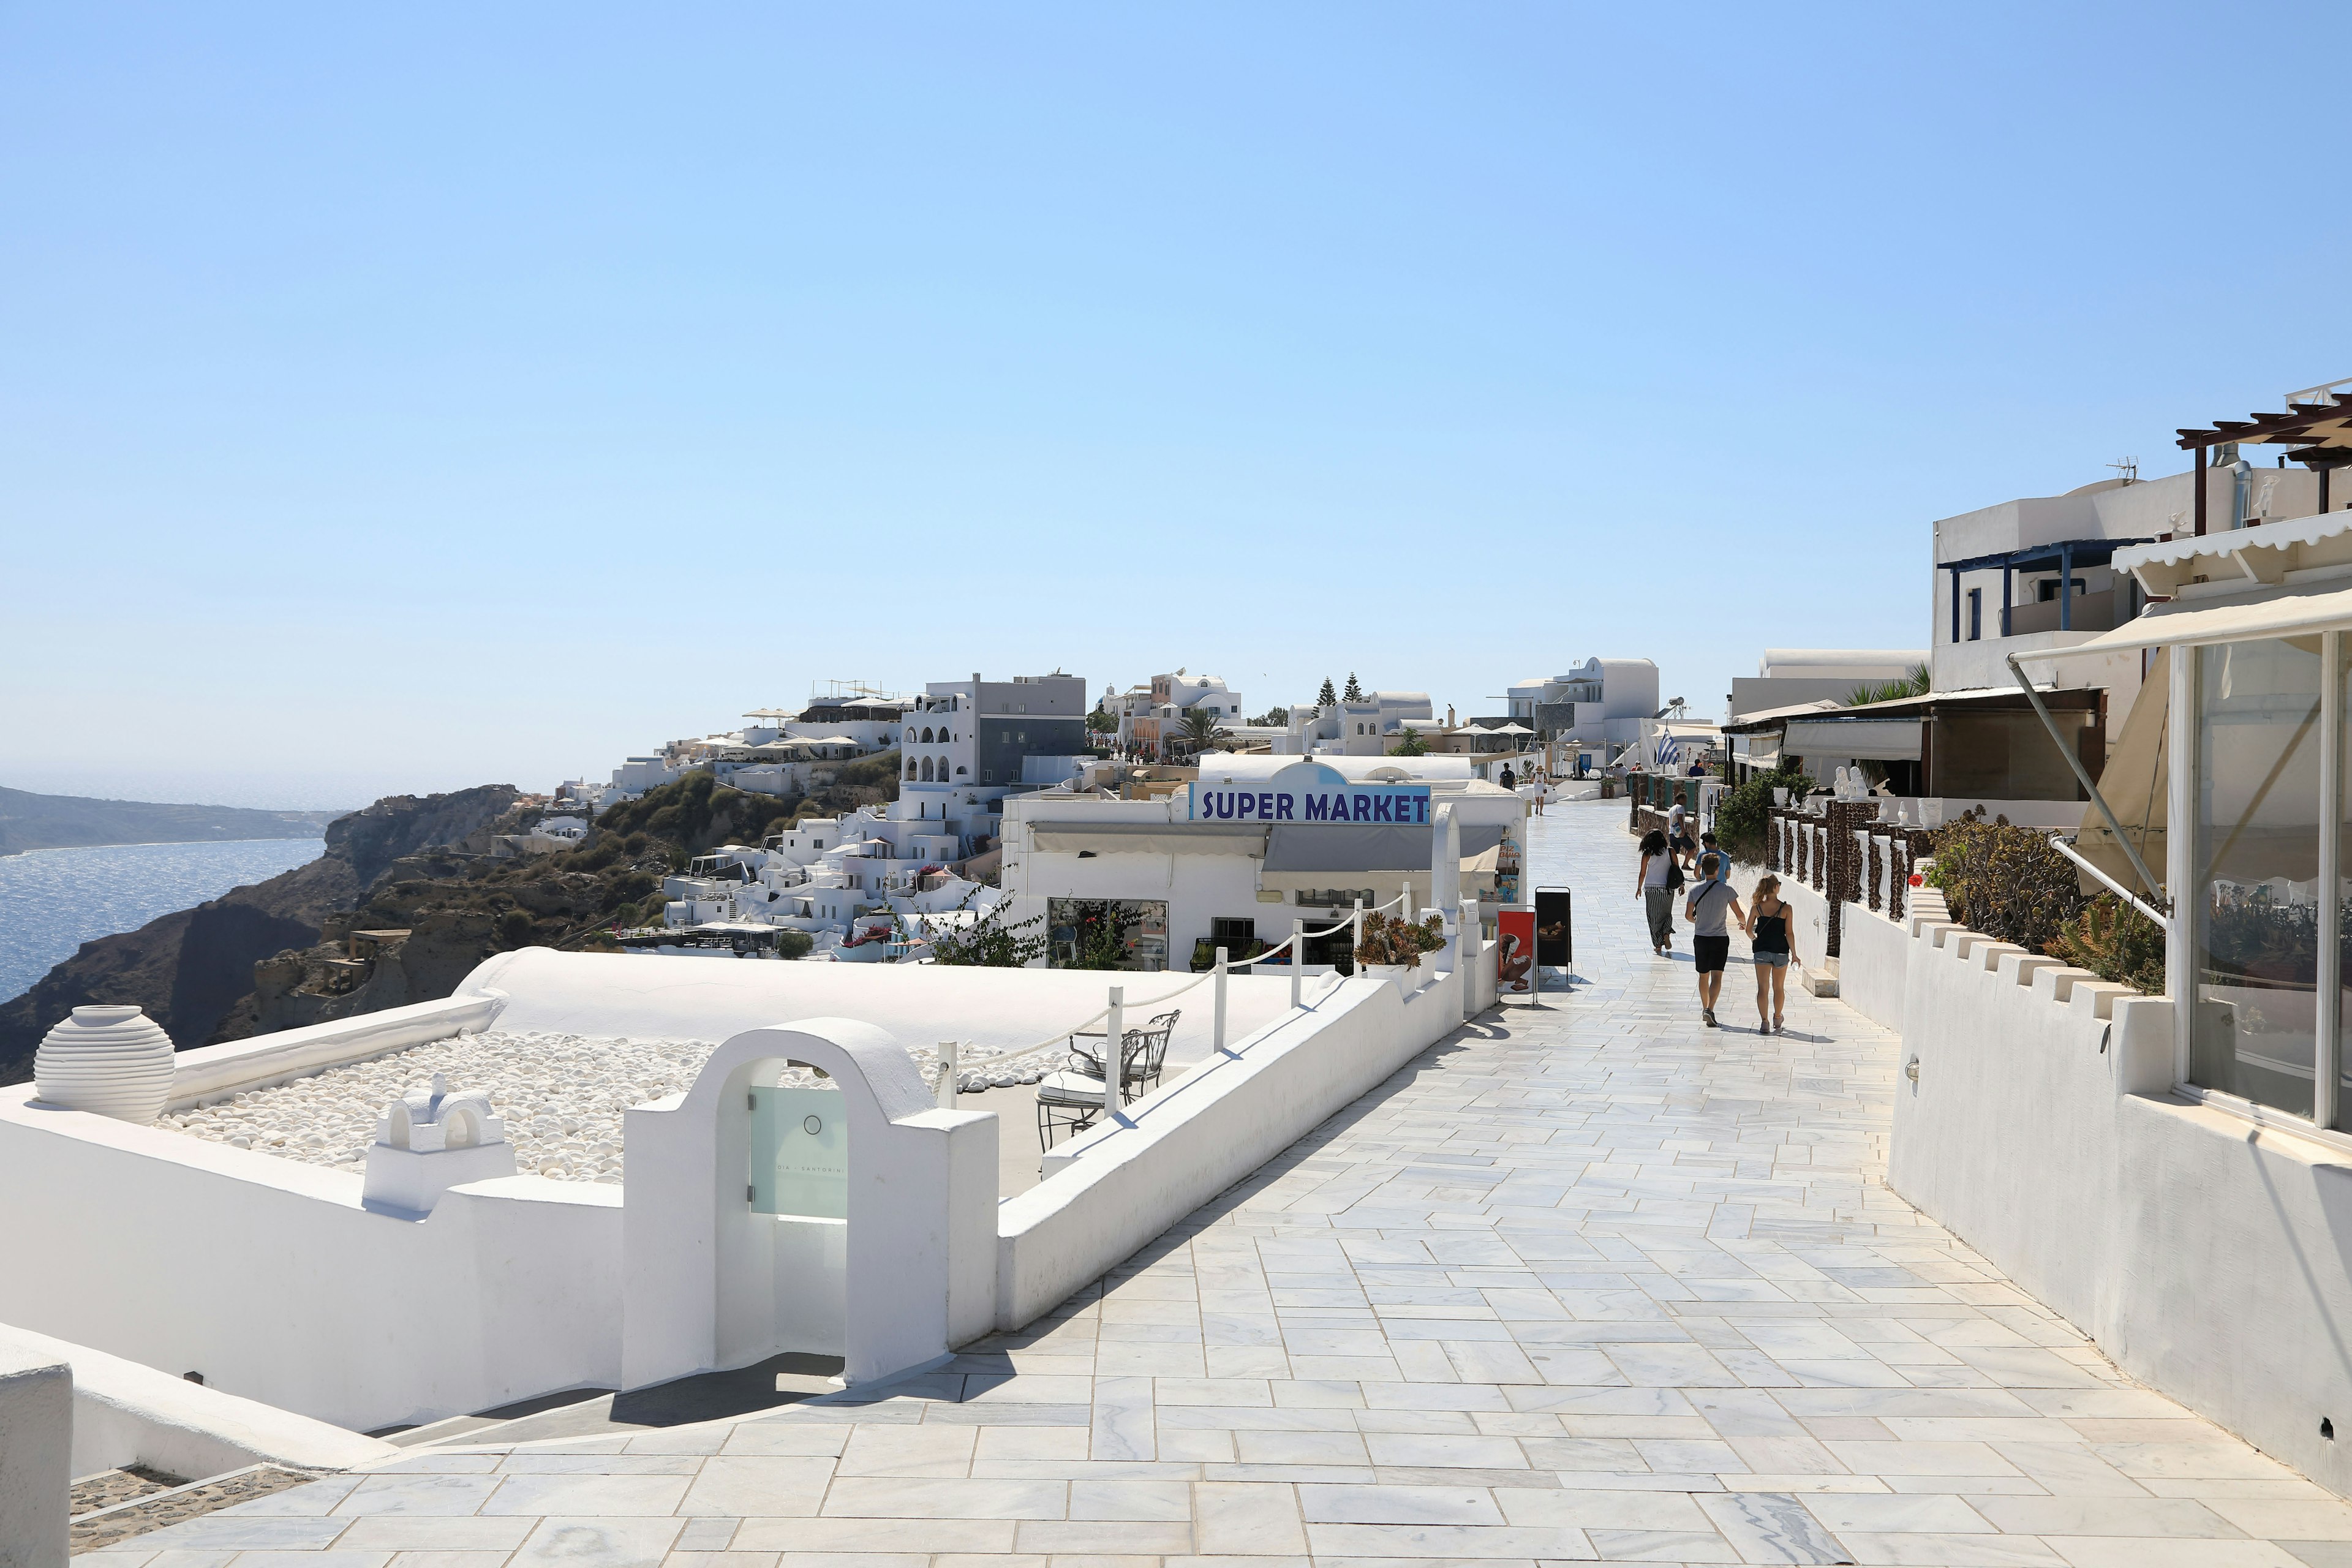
x,y
1308,791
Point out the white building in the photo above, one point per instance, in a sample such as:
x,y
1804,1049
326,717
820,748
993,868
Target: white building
x,y
1188,871
1785,676
776,752
1151,718
1596,708
1998,572
839,879
981,734
1369,727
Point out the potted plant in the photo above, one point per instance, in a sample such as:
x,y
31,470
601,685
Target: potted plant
x,y
1204,954
1392,946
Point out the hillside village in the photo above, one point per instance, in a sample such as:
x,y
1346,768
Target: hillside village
x,y
1274,1121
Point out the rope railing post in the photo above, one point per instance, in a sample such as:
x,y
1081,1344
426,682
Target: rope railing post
x,y
1217,1028
1115,1053
947,1075
1404,902
1298,955
1356,932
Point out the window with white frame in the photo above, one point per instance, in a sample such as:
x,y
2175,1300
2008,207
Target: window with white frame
x,y
2258,1028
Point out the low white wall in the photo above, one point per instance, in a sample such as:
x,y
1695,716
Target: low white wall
x,y
209,1071
36,1436
2206,1255
125,1414
646,997
267,1276
1175,1150
1874,953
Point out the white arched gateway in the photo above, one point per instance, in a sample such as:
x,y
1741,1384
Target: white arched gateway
x,y
855,1219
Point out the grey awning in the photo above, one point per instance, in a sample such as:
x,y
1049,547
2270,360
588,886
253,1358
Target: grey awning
x,y
1367,846
1150,838
1878,740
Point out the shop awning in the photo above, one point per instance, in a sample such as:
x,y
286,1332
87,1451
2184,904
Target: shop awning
x,y
1875,739
2298,610
1367,846
1150,838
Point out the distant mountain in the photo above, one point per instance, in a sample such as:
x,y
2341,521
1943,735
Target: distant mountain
x,y
29,821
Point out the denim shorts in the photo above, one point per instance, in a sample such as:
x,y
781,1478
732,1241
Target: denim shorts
x,y
1770,959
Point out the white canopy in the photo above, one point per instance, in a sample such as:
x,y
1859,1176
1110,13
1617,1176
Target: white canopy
x,y
2295,610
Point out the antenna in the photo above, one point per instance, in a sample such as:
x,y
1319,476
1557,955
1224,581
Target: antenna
x,y
2127,469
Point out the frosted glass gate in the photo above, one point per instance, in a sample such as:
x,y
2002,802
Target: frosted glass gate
x,y
800,1153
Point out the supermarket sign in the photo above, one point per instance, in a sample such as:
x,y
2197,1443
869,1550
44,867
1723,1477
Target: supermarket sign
x,y
1308,791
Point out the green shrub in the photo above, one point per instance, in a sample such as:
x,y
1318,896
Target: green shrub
x,y
1393,938
2006,881
793,944
2113,942
514,927
994,940
1741,814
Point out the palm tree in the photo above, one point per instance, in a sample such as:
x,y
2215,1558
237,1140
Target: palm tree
x,y
1913,683
1201,732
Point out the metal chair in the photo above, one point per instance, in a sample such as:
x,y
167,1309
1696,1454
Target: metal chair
x,y
1066,1100
1071,1099
1145,1051
1150,1052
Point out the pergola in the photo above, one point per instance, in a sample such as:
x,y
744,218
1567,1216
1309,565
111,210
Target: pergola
x,y
2317,423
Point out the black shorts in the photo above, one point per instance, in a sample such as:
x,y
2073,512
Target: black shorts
x,y
1712,953
1682,841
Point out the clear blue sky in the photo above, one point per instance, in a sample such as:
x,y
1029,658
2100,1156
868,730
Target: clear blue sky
x,y
419,396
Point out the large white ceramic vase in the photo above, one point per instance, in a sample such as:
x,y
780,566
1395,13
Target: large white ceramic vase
x,y
113,1060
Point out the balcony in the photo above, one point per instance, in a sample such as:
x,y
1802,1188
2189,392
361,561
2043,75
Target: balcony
x,y
2093,613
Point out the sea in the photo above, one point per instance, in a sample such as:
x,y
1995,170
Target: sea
x,y
53,900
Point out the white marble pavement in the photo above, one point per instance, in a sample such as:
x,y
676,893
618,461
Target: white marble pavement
x,y
1586,1282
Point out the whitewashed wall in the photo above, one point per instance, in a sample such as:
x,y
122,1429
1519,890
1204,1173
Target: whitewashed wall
x,y
267,1277
2207,1256
1183,1145
1873,963
126,1413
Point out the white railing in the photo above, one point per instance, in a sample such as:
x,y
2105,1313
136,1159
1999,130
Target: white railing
x,y
1115,1006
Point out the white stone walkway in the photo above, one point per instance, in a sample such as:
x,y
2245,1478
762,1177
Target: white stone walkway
x,y
1588,1282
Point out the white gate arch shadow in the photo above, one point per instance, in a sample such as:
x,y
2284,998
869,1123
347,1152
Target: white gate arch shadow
x,y
921,1245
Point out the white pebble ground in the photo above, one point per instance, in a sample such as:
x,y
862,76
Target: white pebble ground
x,y
562,1096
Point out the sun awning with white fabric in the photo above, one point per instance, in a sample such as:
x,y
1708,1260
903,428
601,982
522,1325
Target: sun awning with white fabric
x,y
2294,610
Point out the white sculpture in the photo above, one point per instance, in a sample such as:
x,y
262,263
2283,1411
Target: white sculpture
x,y
429,1141
430,1119
111,1060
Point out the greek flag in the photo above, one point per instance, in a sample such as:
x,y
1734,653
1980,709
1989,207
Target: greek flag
x,y
1670,750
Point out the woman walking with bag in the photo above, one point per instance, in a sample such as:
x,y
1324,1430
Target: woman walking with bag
x,y
1767,928
1655,884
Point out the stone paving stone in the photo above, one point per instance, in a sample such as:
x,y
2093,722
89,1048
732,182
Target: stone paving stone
x,y
1585,1281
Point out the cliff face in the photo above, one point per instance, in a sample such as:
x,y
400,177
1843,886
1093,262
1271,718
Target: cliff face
x,y
403,905
191,968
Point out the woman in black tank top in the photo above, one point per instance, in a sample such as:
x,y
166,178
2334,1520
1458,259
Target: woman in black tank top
x,y
1768,930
